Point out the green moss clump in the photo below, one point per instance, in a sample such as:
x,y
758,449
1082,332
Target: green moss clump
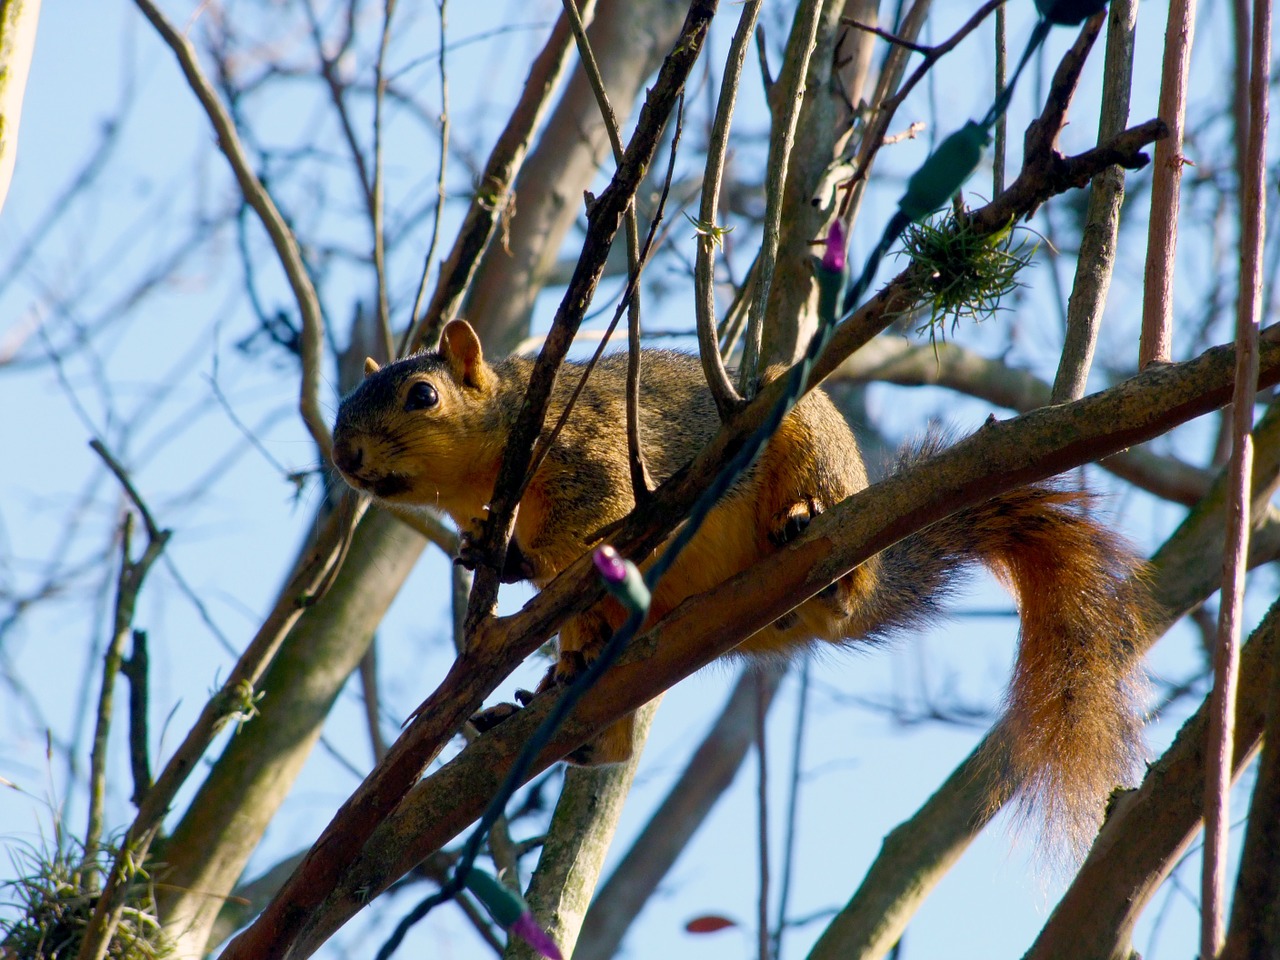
x,y
961,273
54,908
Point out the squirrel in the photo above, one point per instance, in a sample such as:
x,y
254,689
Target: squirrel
x,y
430,430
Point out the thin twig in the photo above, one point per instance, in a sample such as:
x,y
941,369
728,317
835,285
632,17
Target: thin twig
x,y
90,877
407,340
709,233
762,820
1156,344
136,670
793,806
1000,147
873,139
377,205
884,34
128,585
640,482
785,99
890,76
493,192
547,441
370,182
372,702
1226,659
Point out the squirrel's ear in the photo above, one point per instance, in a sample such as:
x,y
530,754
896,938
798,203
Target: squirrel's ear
x,y
370,366
460,346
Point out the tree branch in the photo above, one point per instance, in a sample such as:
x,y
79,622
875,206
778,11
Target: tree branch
x,y
1096,258
573,852
946,364
1156,344
709,234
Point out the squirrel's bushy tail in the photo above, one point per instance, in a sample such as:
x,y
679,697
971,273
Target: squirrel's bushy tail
x,y
1072,714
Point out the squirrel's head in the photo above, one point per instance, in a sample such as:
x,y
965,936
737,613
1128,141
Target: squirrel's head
x,y
420,430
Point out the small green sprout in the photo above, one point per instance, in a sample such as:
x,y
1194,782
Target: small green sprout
x,y
709,230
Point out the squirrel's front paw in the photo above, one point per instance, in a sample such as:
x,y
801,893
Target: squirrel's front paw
x,y
490,717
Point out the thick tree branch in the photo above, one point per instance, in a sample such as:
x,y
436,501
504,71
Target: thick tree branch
x,y
893,360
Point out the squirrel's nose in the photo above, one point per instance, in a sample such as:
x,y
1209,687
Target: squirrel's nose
x,y
348,456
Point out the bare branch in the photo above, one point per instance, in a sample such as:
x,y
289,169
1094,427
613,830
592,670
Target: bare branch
x,y
1096,258
709,234
128,585
282,238
1226,659
1156,345
17,44
573,852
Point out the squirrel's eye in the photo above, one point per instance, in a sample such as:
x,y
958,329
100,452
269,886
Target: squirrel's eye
x,y
421,396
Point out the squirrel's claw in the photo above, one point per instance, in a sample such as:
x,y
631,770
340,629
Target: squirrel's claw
x,y
790,523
